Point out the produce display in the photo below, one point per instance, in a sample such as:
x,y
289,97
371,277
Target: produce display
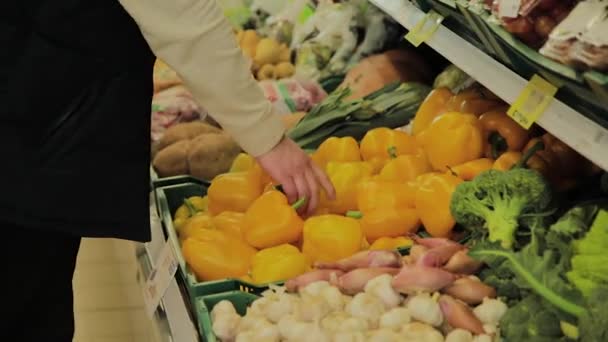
x,y
270,58
571,32
429,295
451,222
532,21
194,148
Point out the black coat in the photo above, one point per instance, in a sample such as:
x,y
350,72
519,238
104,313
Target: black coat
x,y
75,99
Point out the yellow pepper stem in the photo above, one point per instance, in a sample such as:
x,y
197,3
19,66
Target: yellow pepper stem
x,y
354,214
392,152
299,203
528,154
191,208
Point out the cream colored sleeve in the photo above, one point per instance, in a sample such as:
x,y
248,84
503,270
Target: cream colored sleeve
x,y
196,40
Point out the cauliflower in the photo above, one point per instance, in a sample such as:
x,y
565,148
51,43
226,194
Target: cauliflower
x,y
482,338
352,336
381,287
382,335
314,289
333,297
311,308
367,307
340,321
424,309
395,319
490,311
225,320
293,330
420,332
260,330
459,335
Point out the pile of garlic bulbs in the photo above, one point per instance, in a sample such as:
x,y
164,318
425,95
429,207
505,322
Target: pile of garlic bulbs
x,y
320,312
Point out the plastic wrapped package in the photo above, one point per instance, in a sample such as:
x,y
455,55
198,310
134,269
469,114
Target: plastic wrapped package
x,y
580,40
292,95
172,106
531,21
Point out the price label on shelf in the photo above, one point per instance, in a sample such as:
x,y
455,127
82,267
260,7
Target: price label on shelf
x,y
159,279
425,28
532,102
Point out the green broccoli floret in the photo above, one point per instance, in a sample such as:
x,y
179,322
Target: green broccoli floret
x,y
498,200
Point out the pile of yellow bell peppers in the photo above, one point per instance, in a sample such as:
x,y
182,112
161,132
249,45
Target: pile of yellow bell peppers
x,y
388,186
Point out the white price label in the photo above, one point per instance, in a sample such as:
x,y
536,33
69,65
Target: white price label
x,y
159,279
509,8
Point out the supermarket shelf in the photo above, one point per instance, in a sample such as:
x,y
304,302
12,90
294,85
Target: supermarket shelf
x,y
587,137
172,317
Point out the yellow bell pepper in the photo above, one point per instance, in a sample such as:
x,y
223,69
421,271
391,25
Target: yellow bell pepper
x,y
331,237
377,193
432,106
242,162
389,243
386,209
194,225
230,222
337,150
379,141
433,198
191,206
452,139
278,263
345,176
405,168
271,221
471,169
217,255
235,191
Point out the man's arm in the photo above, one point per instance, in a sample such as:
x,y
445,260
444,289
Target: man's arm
x,y
195,39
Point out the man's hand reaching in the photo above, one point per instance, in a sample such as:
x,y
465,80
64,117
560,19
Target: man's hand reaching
x,y
291,167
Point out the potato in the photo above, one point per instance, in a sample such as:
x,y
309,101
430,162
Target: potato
x,y
185,131
211,154
172,160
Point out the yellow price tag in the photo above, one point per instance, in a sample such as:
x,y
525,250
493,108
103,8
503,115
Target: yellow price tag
x,y
424,29
532,102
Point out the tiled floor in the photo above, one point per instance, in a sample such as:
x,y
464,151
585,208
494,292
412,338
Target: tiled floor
x,y
108,303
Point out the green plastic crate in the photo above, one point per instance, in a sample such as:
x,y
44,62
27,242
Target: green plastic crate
x,y
171,197
204,305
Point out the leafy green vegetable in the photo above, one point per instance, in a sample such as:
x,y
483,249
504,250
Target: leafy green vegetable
x,y
590,262
392,106
530,321
549,287
497,201
452,78
593,324
535,270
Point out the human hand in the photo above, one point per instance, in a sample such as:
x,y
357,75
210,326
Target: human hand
x,y
291,167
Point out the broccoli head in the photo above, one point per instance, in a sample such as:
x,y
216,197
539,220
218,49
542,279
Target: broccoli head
x,y
497,201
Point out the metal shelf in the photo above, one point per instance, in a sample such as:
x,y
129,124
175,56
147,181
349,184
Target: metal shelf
x,y
582,134
172,318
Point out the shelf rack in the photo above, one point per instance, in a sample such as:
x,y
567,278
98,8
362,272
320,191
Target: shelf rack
x,y
582,134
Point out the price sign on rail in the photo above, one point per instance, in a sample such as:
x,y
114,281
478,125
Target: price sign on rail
x,y
160,278
532,102
424,29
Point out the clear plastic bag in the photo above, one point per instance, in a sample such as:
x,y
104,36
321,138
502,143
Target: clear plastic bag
x,y
292,95
172,106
